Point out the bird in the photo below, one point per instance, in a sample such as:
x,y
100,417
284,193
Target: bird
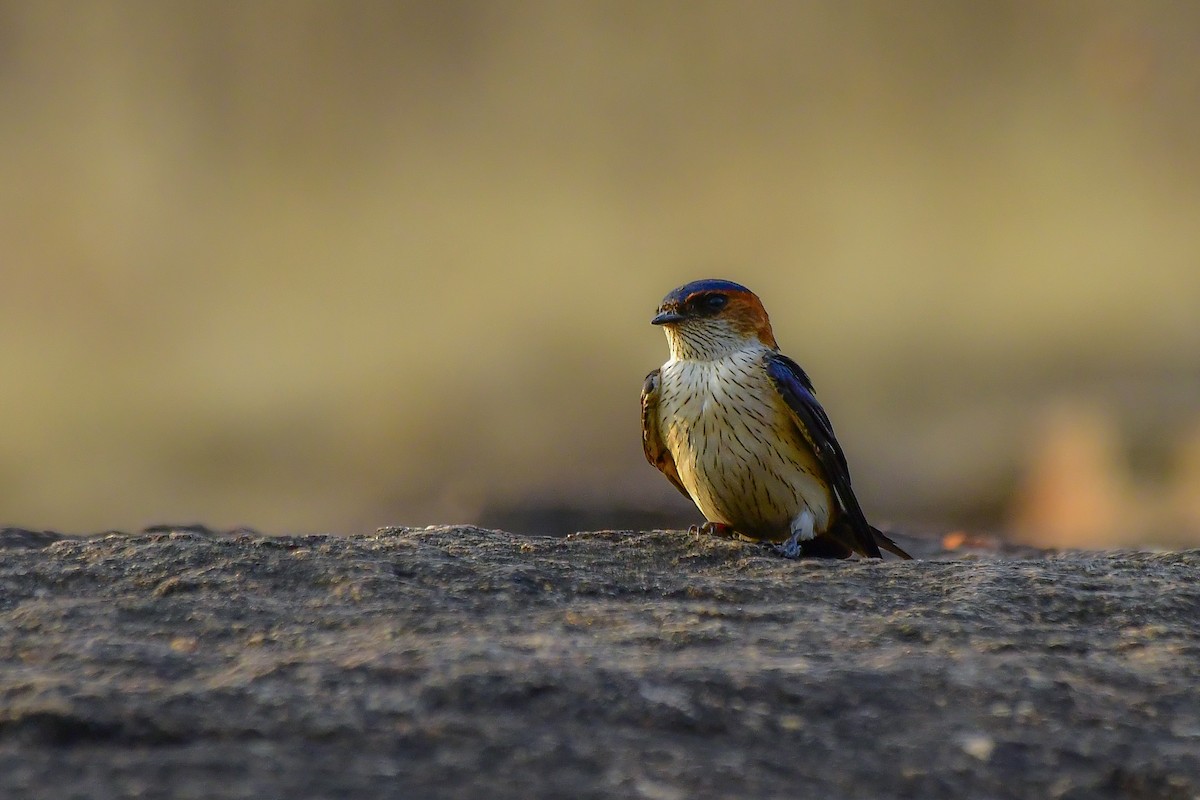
x,y
736,426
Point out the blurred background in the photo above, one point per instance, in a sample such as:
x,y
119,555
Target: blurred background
x,y
318,267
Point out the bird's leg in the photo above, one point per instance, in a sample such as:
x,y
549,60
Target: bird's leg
x,y
803,530
713,529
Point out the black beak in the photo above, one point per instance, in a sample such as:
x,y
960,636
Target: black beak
x,y
667,318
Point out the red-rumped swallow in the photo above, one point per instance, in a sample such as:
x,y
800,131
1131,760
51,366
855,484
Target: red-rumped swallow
x,y
736,426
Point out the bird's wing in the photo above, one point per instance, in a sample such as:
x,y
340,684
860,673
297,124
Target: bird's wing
x,y
656,450
812,422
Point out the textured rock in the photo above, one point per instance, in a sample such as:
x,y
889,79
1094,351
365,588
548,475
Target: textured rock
x,y
460,662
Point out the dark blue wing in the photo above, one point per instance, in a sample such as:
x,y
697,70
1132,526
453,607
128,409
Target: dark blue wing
x,y
813,424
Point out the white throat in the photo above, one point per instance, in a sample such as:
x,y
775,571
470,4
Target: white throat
x,y
709,343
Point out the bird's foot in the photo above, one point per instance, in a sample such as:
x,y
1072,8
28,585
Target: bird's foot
x,y
792,548
713,529
803,530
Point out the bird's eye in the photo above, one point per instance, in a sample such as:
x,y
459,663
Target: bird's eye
x,y
714,302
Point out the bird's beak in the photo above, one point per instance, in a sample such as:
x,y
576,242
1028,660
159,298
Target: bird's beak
x,y
667,318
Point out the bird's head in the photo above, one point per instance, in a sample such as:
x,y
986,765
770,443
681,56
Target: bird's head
x,y
708,319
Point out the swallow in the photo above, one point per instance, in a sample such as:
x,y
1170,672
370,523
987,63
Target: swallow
x,y
735,425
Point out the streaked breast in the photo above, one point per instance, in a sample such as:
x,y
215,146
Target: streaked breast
x,y
735,447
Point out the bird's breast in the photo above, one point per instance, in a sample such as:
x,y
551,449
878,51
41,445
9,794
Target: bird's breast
x,y
736,447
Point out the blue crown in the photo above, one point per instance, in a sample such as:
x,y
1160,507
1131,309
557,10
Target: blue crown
x,y
707,285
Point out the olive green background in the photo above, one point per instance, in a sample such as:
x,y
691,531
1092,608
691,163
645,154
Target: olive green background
x,y
314,266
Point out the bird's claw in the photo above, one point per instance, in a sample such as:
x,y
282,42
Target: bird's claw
x,y
791,548
713,529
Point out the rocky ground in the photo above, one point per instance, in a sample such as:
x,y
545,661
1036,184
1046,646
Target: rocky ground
x,y
461,662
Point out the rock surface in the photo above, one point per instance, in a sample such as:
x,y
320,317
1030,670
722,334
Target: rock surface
x,y
461,662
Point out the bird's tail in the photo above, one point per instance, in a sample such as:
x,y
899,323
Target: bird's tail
x,y
887,544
